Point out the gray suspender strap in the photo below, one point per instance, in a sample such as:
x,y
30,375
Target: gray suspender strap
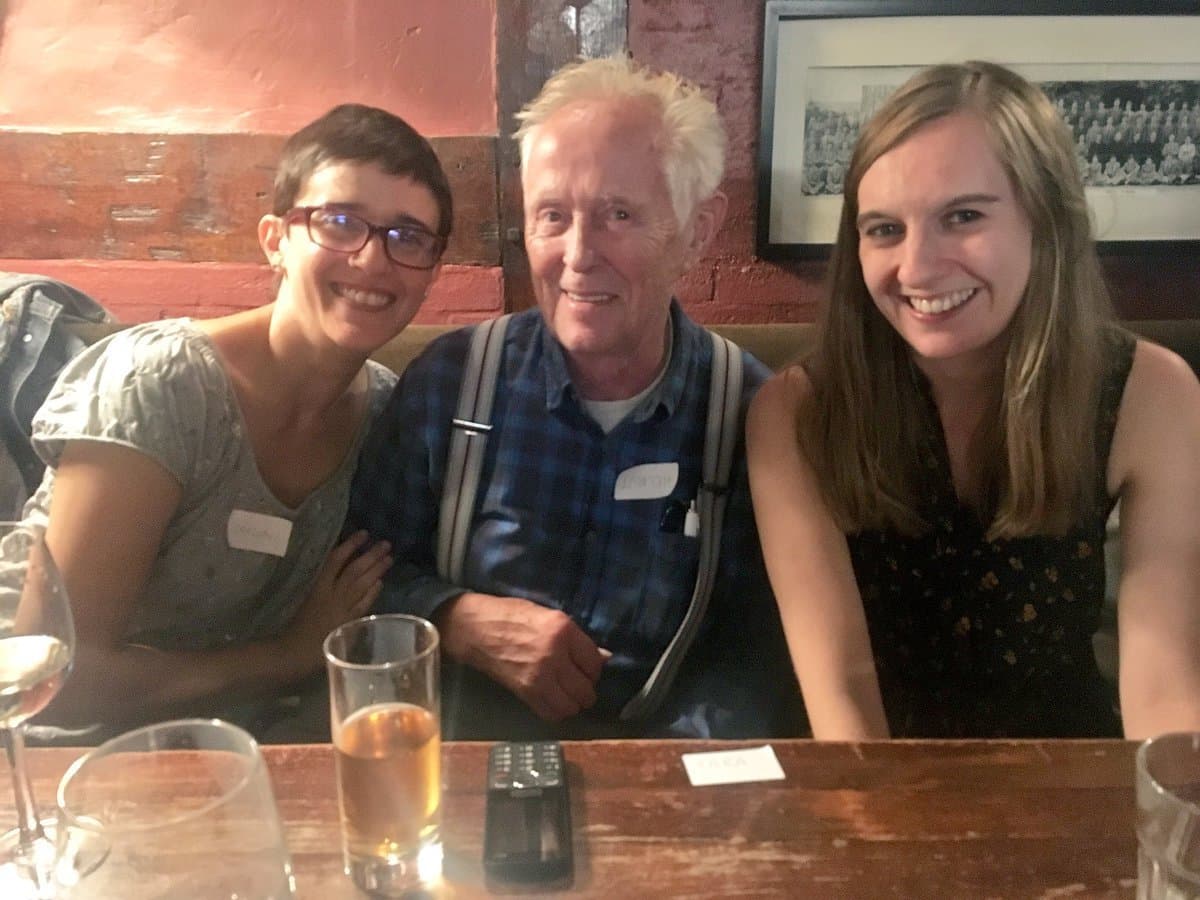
x,y
468,439
720,439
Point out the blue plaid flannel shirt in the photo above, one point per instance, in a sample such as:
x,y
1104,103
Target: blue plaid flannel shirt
x,y
548,529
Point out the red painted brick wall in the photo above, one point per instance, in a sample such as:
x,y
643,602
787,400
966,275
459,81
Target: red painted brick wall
x,y
151,199
212,66
719,45
138,291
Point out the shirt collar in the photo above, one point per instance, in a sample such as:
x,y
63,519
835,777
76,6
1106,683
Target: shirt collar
x,y
667,394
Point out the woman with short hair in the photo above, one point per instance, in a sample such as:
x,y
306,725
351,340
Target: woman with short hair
x,y
199,471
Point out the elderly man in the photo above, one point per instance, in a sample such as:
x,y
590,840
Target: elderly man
x,y
582,550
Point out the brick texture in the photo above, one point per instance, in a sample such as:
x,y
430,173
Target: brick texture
x,y
136,291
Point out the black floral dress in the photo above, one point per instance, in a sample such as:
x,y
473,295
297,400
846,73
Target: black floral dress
x,y
978,638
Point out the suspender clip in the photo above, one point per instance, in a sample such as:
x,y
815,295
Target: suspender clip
x,y
471,427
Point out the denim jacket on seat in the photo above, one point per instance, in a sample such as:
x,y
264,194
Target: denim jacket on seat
x,y
34,346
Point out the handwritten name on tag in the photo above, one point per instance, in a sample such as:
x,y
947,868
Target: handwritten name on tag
x,y
258,533
733,766
648,481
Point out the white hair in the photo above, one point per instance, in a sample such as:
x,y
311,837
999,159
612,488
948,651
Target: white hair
x,y
692,140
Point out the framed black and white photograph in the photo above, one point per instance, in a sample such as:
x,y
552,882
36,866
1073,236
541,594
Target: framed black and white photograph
x,y
1125,76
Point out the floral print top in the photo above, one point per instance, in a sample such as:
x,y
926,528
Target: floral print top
x,y
979,638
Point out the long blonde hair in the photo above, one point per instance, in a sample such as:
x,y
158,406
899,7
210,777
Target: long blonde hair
x,y
864,423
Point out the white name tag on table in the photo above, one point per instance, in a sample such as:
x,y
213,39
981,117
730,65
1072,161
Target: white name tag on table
x,y
258,533
648,481
733,766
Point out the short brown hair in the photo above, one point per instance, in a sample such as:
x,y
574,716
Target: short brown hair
x,y
356,133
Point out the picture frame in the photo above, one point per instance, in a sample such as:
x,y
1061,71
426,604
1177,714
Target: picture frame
x,y
829,63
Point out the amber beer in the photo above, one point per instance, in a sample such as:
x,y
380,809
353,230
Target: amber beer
x,y
389,779
385,719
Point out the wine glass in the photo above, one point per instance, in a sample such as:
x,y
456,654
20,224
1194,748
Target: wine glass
x,y
37,644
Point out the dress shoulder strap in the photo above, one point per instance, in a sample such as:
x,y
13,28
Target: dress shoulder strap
x,y
1119,347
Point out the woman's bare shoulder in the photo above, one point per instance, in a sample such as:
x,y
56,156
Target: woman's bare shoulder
x,y
1160,383
1160,410
1160,366
784,391
772,421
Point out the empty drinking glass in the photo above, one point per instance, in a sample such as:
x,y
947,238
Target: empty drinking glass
x,y
1168,822
177,809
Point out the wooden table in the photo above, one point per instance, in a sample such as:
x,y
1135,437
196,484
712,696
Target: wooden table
x,y
1049,819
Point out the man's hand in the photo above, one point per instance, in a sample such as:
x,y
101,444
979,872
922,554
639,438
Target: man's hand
x,y
539,654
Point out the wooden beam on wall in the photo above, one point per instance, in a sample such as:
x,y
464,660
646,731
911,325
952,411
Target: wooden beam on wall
x,y
533,39
189,197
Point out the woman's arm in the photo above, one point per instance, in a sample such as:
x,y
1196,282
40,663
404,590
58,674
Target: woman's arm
x,y
1155,467
109,512
809,566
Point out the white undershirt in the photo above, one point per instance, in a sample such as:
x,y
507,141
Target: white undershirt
x,y
608,414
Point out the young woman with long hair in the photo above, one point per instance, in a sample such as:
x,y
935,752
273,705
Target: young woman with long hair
x,y
932,483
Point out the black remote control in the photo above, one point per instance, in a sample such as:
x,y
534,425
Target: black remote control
x,y
527,834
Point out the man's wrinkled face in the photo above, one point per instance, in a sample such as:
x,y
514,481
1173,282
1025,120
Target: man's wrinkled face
x,y
605,247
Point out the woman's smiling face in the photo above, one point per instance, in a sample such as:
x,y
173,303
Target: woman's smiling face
x,y
358,300
944,244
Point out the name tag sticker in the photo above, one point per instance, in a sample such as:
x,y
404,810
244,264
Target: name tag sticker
x,y
649,481
733,766
258,533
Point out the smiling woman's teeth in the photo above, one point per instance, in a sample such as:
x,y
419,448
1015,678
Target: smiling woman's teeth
x,y
363,297
941,303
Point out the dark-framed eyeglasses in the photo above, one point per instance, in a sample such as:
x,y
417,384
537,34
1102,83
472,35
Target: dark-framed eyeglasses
x,y
409,244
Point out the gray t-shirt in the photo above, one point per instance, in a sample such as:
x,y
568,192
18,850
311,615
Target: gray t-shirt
x,y
161,390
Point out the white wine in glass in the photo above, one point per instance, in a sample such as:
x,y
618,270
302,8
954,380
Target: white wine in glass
x,y
37,644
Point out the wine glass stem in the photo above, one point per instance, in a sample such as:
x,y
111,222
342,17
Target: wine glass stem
x,y
27,816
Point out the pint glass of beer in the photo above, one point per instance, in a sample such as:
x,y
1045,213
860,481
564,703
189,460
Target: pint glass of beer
x,y
385,719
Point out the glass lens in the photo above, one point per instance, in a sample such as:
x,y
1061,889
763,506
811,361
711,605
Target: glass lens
x,y
411,246
408,245
338,230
